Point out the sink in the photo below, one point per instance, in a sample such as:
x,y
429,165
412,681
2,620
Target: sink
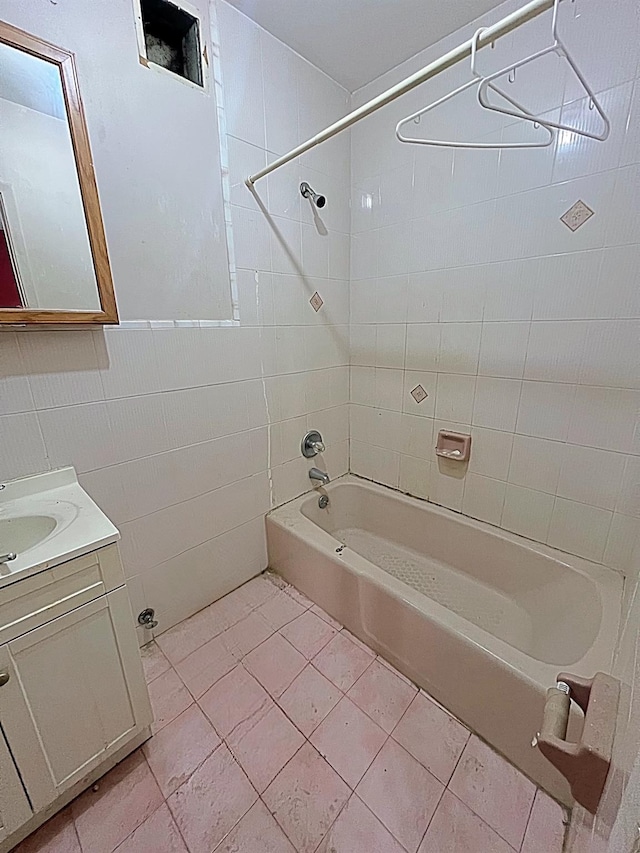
x,y
47,519
24,532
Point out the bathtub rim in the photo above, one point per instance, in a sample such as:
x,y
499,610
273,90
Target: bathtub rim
x,y
608,582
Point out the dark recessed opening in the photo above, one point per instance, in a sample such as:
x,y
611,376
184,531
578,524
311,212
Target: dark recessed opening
x,y
172,39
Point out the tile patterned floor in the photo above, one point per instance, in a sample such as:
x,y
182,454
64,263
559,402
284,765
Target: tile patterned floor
x,y
277,731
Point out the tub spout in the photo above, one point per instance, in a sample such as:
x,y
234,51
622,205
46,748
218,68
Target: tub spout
x,y
320,476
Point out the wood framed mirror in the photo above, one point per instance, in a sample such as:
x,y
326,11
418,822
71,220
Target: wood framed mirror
x,y
54,266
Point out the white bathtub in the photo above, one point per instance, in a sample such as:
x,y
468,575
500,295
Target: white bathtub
x,y
480,618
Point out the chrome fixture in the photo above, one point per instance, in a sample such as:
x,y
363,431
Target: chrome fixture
x,y
460,53
312,444
147,618
320,476
6,558
323,501
316,198
4,678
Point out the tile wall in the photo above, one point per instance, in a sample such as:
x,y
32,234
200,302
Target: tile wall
x,y
463,279
186,435
522,332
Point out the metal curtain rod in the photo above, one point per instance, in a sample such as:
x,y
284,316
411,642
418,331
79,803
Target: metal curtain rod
x,y
491,34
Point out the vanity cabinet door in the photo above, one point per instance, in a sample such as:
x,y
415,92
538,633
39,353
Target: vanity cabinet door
x,y
14,805
75,695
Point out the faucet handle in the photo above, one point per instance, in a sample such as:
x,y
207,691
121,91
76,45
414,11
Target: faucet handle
x,y
312,444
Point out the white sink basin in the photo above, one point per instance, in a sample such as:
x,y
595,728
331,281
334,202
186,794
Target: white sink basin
x,y
46,520
21,533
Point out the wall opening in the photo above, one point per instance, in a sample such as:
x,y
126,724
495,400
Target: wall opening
x,y
172,39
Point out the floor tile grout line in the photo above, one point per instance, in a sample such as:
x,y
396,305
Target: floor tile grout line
x,y
380,821
352,793
282,829
396,741
484,820
168,722
75,827
149,816
441,784
430,821
345,693
212,637
155,677
302,746
137,827
242,816
368,767
276,703
364,710
326,643
306,739
526,826
462,752
225,738
199,765
223,631
238,659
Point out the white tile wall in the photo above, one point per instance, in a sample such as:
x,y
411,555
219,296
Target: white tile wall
x,y
523,333
187,436
462,279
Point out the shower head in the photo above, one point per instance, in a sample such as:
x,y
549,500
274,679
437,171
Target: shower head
x,y
316,198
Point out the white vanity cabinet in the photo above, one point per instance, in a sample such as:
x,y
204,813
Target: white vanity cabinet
x,y
73,699
15,809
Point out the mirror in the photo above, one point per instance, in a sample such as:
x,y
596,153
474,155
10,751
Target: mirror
x,y
54,266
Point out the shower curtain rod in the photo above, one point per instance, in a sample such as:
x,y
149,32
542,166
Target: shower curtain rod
x,y
491,34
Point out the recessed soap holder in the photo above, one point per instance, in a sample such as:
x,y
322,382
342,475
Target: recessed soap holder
x,y
455,446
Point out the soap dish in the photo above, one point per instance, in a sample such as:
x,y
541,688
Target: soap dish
x,y
455,446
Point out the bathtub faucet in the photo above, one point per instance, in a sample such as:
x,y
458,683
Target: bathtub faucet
x,y
317,474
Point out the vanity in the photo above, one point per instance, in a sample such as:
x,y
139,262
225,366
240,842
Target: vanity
x,y
73,699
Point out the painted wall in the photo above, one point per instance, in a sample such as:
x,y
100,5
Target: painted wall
x,y
186,433
523,333
155,146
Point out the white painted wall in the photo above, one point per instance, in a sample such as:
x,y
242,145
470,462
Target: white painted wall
x,y
156,152
38,168
187,434
523,333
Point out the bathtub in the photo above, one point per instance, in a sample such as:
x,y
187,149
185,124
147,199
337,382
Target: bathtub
x,y
482,619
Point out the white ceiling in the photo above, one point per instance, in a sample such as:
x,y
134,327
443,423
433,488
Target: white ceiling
x,y
354,41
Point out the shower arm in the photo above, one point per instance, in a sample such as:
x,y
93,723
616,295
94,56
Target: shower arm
x,y
463,51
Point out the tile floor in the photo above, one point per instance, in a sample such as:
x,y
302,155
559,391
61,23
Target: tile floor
x,y
278,731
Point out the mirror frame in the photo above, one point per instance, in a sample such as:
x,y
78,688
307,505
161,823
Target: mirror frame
x,y
65,61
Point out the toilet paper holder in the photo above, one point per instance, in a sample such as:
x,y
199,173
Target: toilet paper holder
x,y
584,764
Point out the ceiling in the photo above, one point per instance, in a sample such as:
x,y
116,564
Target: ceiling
x,y
354,41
